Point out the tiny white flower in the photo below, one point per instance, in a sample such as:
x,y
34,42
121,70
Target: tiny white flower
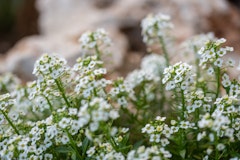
x,y
207,107
178,79
211,137
122,101
209,151
64,139
218,62
72,111
210,71
167,131
158,118
226,83
100,71
148,128
230,62
125,130
113,114
170,85
184,124
48,156
22,145
55,74
198,103
90,152
201,136
164,142
221,52
94,126
229,132
65,122
154,138
220,147
2,118
191,108
91,64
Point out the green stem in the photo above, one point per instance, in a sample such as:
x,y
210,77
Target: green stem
x,y
197,63
218,76
183,143
98,52
49,103
74,145
95,92
114,144
131,116
164,50
10,122
216,143
60,88
197,113
183,136
183,104
162,103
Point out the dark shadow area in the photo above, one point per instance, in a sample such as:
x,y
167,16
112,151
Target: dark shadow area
x,y
18,18
132,30
103,4
235,2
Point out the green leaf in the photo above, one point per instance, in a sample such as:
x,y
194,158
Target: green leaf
x,y
125,139
64,149
85,145
183,153
138,144
74,156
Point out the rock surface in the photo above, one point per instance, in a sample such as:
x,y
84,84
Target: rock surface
x,y
61,22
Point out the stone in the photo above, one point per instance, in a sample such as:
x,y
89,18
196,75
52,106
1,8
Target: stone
x,y
20,59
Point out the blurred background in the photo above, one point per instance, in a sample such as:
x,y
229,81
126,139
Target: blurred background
x,y
29,28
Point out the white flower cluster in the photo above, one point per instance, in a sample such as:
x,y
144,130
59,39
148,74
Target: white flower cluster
x,y
54,76
153,64
107,150
50,67
29,145
212,52
97,112
179,75
82,116
147,78
153,152
232,86
104,151
197,100
5,101
94,40
223,121
155,26
196,42
89,79
120,92
152,67
137,77
46,133
8,83
159,132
